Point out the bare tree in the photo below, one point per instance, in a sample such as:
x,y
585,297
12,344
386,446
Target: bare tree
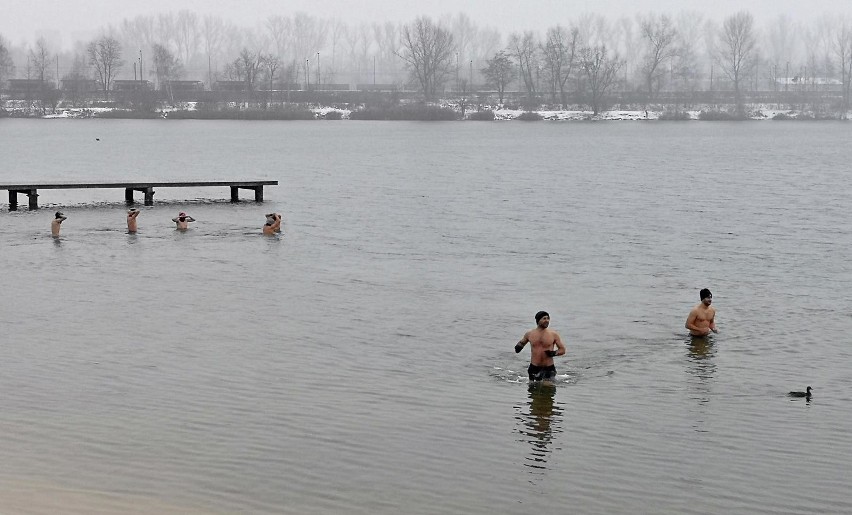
x,y
658,34
41,60
249,63
105,56
166,69
165,30
736,52
560,56
308,35
270,64
524,49
782,36
137,33
487,43
187,34
600,71
426,50
7,66
279,30
499,72
842,46
337,32
76,88
686,56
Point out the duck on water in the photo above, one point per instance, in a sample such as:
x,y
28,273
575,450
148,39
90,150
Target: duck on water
x,y
806,393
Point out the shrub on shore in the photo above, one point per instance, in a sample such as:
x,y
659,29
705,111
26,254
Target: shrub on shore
x,y
674,115
334,115
719,116
529,116
243,114
127,114
482,116
409,113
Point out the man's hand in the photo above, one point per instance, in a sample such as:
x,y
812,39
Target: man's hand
x,y
550,353
518,347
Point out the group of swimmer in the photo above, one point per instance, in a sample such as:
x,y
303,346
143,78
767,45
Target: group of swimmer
x,y
182,221
700,323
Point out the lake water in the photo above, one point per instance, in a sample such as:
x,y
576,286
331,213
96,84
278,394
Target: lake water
x,y
363,361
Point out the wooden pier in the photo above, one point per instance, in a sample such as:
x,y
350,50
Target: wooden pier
x,y
147,188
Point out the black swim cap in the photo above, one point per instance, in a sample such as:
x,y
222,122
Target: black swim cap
x,y
540,315
703,294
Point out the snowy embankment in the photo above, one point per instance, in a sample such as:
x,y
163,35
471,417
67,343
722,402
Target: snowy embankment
x,y
759,112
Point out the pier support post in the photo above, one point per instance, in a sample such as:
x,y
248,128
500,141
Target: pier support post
x,y
33,196
149,196
128,195
258,193
13,200
235,194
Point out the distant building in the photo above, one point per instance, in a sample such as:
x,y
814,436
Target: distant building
x,y
330,87
377,87
131,85
181,86
79,85
229,85
21,89
808,83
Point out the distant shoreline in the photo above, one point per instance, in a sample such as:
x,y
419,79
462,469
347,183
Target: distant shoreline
x,y
421,113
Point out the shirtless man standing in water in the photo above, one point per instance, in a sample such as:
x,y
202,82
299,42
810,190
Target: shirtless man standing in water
x,y
56,223
541,350
182,220
131,219
702,318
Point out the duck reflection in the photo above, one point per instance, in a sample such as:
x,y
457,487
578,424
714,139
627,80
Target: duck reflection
x,y
539,420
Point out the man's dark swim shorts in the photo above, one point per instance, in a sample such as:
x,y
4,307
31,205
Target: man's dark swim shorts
x,y
538,373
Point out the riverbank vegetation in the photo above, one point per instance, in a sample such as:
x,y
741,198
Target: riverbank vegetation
x,y
667,66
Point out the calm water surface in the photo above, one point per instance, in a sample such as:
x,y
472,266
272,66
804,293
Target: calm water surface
x,y
362,362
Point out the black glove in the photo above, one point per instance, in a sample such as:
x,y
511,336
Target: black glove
x,y
518,347
550,353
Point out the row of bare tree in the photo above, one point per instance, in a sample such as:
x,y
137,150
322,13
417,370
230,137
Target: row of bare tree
x,y
648,52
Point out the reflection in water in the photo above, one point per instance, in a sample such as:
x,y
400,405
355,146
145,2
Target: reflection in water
x,y
540,422
701,369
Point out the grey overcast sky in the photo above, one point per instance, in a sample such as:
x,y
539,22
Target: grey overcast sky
x,y
23,21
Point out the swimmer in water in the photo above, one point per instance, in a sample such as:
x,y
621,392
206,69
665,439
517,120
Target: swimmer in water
x,y
131,219
702,318
182,220
272,225
542,341
56,222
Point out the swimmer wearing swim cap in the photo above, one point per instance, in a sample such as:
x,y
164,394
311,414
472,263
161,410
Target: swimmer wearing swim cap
x,y
272,225
542,340
702,319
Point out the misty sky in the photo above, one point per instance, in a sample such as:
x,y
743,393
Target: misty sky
x,y
25,20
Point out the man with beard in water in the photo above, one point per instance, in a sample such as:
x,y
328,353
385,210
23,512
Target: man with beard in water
x,y
702,318
541,351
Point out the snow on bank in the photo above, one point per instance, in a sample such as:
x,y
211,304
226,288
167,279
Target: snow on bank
x,y
760,112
